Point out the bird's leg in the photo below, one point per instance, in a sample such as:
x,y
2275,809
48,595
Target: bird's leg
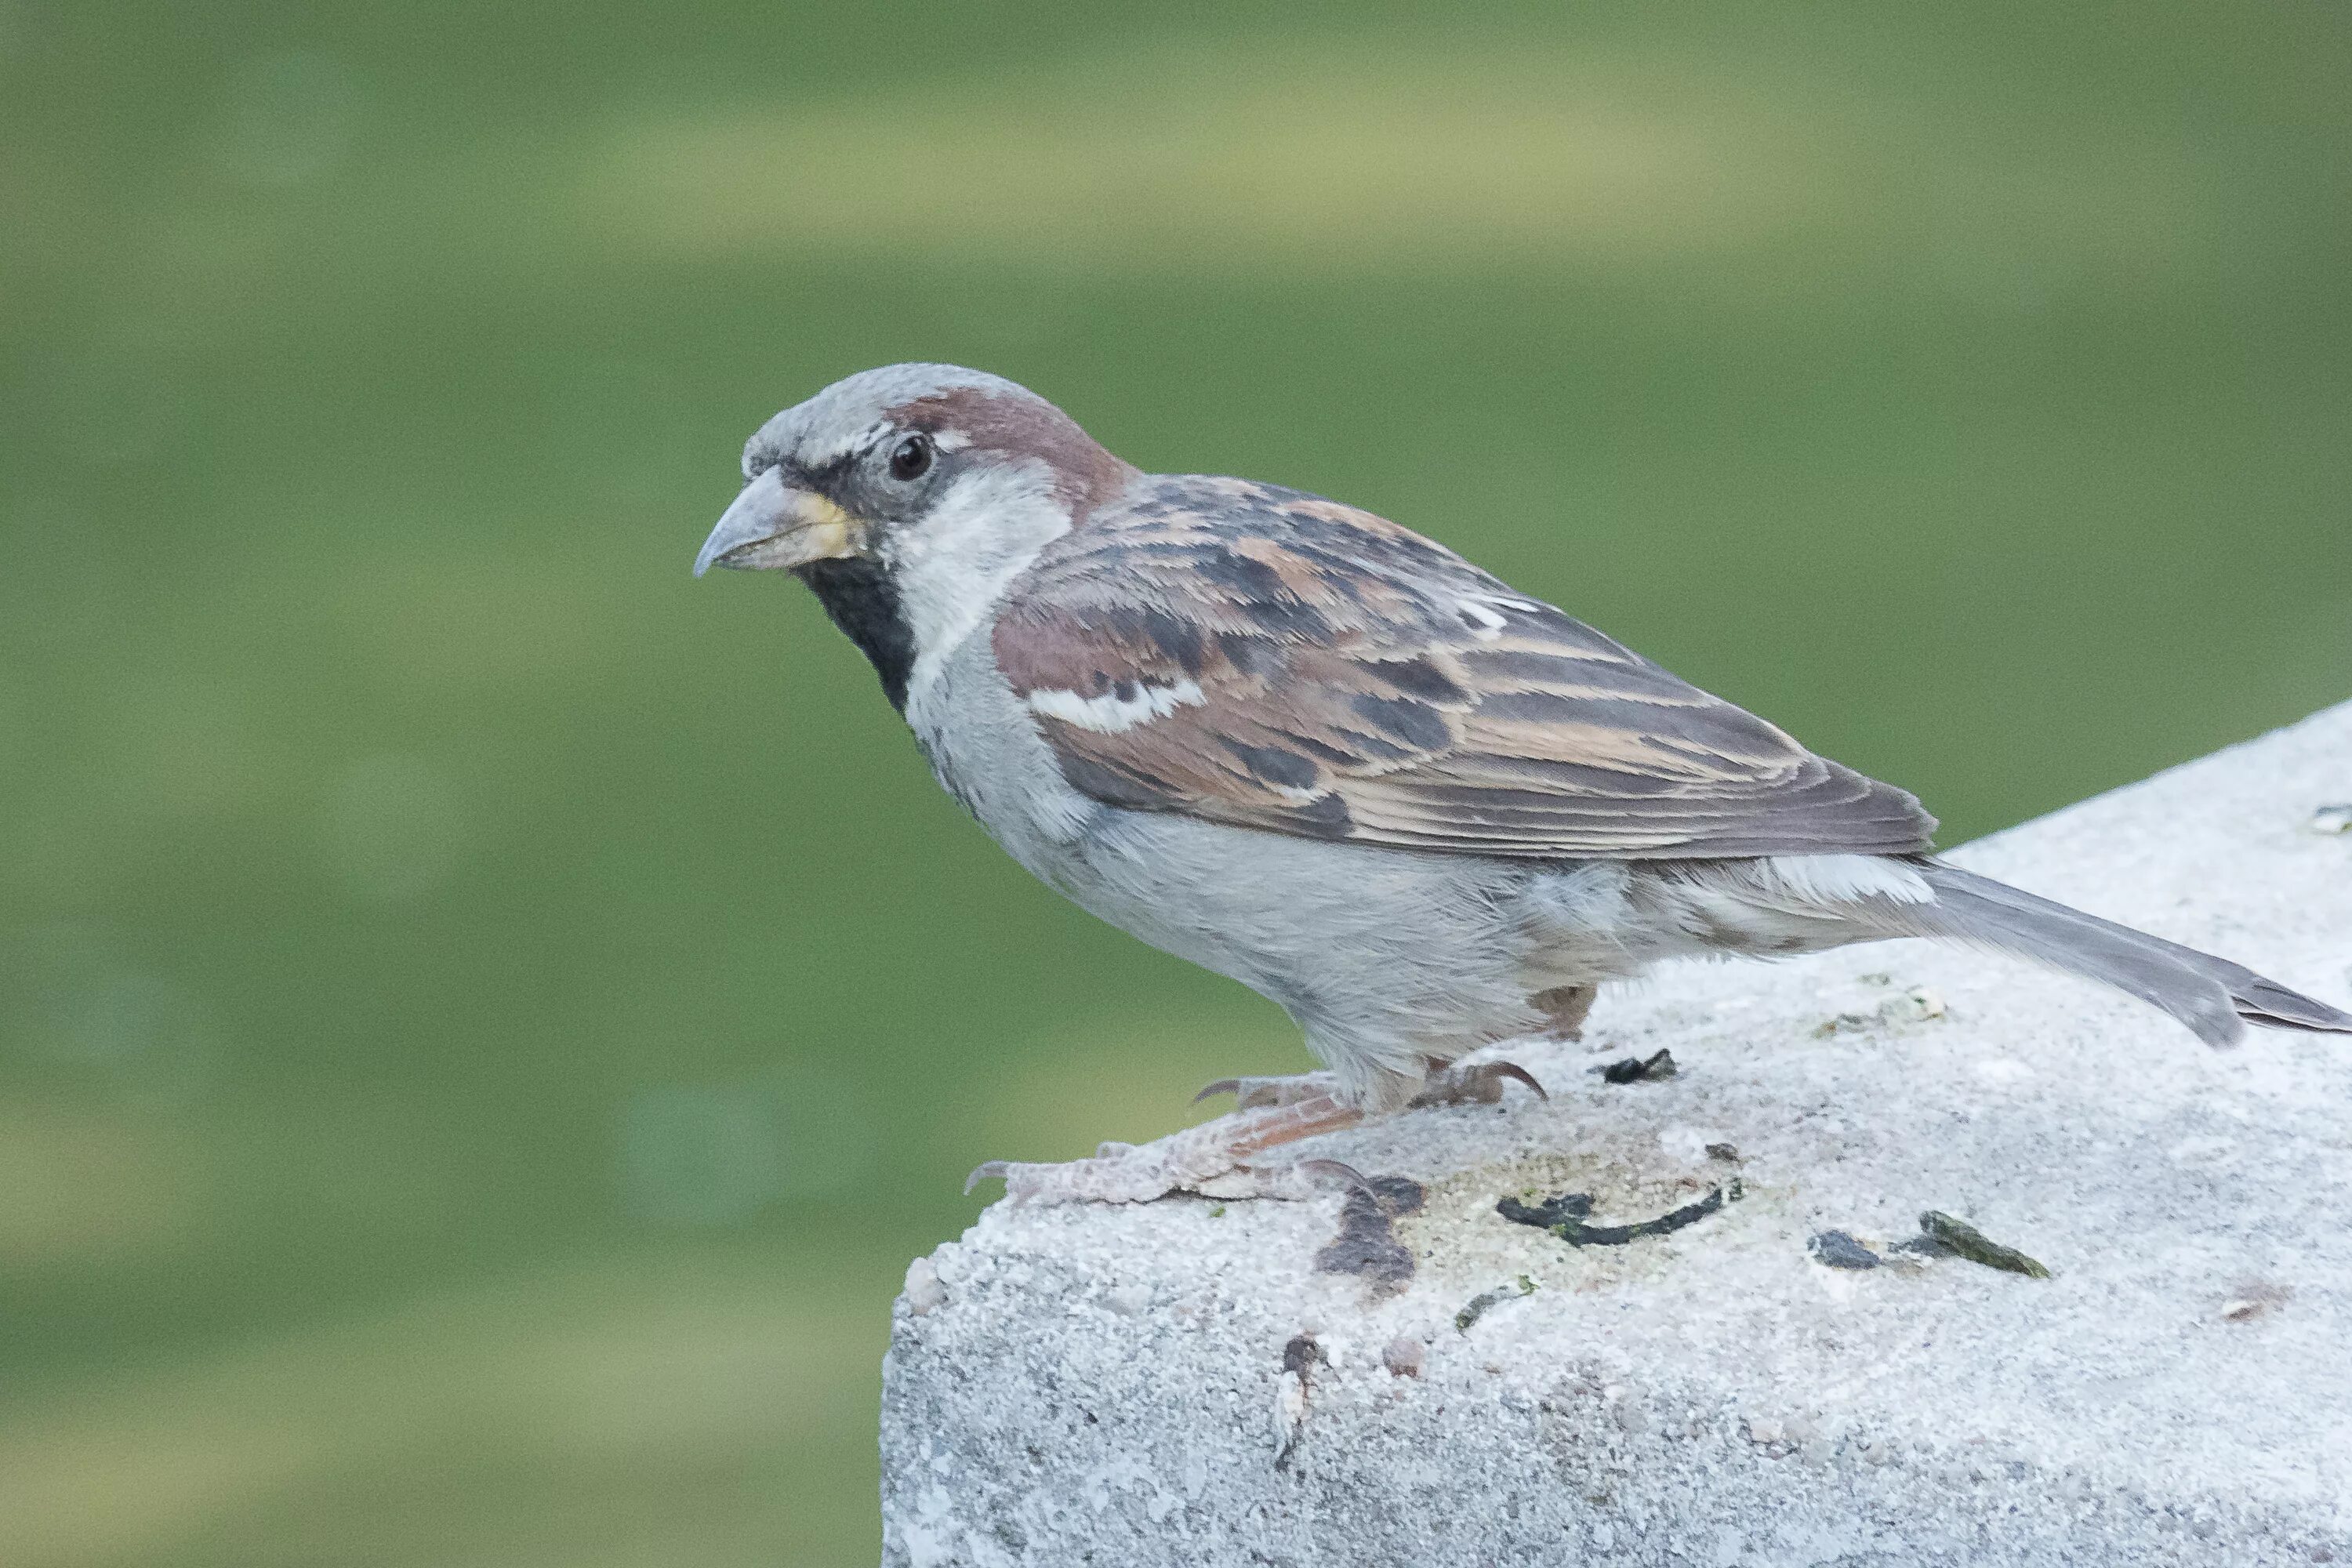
x,y
1564,1008
1479,1083
1253,1093
1470,1083
1215,1158
1192,1160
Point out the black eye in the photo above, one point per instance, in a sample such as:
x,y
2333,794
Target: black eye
x,y
911,457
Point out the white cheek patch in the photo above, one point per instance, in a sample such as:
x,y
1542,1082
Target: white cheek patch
x,y
1112,715
1832,879
954,564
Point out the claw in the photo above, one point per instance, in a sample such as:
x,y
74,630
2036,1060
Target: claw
x,y
1514,1071
987,1170
1479,1085
1345,1172
1223,1086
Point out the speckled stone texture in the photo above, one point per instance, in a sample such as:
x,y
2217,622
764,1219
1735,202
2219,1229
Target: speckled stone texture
x,y
1167,1383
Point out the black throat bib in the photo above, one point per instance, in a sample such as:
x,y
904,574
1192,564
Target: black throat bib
x,y
860,599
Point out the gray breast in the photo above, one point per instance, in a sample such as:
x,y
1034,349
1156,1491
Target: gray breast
x,y
984,749
1376,952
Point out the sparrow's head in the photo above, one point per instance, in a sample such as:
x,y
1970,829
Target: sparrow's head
x,y
884,465
908,497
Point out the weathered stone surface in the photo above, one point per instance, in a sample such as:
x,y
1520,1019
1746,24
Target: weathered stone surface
x,y
1167,1385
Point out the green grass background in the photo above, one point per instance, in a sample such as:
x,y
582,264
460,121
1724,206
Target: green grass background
x,y
485,1019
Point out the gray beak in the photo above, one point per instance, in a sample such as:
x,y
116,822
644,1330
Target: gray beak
x,y
774,526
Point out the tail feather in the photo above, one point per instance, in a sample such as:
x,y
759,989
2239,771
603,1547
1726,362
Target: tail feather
x,y
2261,1001
2211,995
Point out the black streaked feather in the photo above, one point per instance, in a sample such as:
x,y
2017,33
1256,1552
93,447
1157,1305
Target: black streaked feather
x,y
1360,682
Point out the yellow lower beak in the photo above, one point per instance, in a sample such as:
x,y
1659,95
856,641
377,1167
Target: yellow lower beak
x,y
772,526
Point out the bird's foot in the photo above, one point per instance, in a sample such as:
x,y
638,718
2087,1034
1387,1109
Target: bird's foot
x,y
1213,1159
1476,1083
1257,1093
1473,1083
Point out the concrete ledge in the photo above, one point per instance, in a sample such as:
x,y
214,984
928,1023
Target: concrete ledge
x,y
1178,1383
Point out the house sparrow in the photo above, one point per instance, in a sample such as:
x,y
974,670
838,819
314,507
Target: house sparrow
x,y
1313,750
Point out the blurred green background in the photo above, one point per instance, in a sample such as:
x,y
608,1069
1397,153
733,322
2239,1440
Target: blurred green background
x,y
487,1018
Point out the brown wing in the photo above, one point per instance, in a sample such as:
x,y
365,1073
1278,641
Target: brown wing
x,y
1267,659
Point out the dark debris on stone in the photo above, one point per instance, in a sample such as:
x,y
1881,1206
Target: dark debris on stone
x,y
1837,1250
1366,1244
1565,1217
1640,1069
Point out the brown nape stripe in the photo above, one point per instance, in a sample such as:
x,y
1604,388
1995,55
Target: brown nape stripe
x,y
1023,424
